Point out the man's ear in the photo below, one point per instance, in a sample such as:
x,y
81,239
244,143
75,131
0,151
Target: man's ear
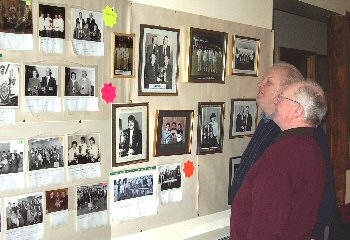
x,y
299,111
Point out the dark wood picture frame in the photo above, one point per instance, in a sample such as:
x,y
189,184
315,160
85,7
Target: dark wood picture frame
x,y
233,166
123,55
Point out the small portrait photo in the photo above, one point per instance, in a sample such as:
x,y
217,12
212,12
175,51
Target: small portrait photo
x,y
130,133
45,153
133,187
86,25
233,166
24,211
91,198
210,129
123,55
207,56
159,50
51,21
56,200
16,17
79,81
174,132
41,80
83,149
245,56
9,84
243,118
169,176
11,156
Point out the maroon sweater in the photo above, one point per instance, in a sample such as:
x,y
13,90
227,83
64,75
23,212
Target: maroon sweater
x,y
280,196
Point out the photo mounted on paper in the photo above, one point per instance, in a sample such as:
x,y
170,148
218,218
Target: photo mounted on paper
x,y
83,149
243,117
169,183
233,166
56,200
129,133
207,56
16,17
245,55
14,205
87,32
158,68
91,198
80,81
41,81
210,127
174,132
9,84
11,156
123,55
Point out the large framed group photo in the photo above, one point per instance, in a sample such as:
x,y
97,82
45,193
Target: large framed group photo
x,y
129,133
210,127
243,117
207,56
173,132
158,68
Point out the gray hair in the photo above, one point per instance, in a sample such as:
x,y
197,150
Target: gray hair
x,y
311,96
292,73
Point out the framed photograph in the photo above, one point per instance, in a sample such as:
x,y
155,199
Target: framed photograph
x,y
158,68
123,55
207,56
130,138
210,127
173,132
243,117
245,55
233,166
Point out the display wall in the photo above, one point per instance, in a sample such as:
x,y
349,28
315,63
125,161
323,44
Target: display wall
x,y
206,191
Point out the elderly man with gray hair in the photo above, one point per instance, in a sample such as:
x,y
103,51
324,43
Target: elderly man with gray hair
x,y
282,192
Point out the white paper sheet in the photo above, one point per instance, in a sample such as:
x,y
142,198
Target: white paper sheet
x,y
46,177
83,171
43,104
92,220
7,117
59,218
12,41
51,45
88,48
73,104
13,181
170,183
134,194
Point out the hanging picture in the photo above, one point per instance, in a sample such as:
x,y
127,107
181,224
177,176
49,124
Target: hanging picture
x,y
123,55
233,166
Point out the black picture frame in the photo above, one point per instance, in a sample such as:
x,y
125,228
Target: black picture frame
x,y
180,139
233,166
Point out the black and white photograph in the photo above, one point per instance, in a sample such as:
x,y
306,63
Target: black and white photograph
x,y
83,149
123,55
41,81
210,127
169,177
174,132
51,21
24,211
243,117
86,25
80,81
133,187
245,55
207,56
45,153
130,138
16,17
9,84
56,200
233,166
91,198
11,156
158,68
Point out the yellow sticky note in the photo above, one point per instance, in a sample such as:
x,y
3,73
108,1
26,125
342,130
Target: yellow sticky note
x,y
28,2
110,16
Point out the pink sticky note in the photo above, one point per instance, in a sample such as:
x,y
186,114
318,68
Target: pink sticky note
x,y
109,92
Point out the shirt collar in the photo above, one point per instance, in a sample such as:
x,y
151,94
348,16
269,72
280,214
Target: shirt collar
x,y
267,118
295,132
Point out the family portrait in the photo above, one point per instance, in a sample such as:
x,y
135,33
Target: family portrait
x,y
86,25
174,133
51,21
159,48
207,55
16,17
41,80
243,117
83,149
9,84
79,81
123,56
56,200
246,55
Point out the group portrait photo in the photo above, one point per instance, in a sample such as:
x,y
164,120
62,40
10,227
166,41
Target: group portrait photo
x,y
51,21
